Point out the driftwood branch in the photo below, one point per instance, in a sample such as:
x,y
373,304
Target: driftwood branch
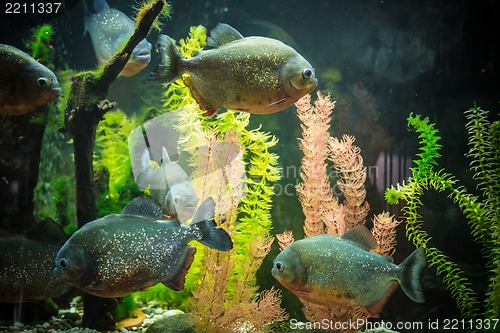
x,y
86,107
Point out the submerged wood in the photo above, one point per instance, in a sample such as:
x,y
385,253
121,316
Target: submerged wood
x,y
86,107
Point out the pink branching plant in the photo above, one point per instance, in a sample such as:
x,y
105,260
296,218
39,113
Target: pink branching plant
x,y
323,211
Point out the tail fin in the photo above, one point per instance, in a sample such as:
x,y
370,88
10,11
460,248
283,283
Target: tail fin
x,y
411,272
211,236
170,57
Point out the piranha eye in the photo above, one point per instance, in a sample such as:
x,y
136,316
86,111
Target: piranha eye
x,y
307,73
42,82
64,264
280,266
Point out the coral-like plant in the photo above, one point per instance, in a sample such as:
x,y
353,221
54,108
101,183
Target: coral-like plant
x,y
324,212
425,177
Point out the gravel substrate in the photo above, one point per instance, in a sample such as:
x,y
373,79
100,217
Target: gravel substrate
x,y
70,320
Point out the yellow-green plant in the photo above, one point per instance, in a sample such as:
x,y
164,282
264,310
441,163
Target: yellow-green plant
x,y
112,154
225,290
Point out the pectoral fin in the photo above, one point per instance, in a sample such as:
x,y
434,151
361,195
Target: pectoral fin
x,y
278,102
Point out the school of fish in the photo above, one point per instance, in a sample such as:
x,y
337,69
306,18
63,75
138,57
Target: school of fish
x,y
148,242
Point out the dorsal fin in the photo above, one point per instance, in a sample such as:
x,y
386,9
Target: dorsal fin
x,y
223,34
143,206
164,155
47,231
361,236
206,211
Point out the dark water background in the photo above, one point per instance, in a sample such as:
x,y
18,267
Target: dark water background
x,y
434,58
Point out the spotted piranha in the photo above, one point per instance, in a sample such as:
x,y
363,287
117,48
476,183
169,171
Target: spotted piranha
x,y
27,265
329,270
253,74
123,253
25,84
109,30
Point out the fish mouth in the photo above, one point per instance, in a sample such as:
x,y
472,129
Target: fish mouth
x,y
144,56
57,91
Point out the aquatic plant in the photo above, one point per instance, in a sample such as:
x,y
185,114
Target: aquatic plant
x,y
324,212
39,44
482,216
225,291
112,154
142,8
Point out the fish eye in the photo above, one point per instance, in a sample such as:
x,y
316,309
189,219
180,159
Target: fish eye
x,y
64,264
280,266
307,73
42,82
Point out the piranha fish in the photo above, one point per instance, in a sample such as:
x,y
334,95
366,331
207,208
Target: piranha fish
x,y
329,270
123,253
253,74
27,266
25,84
109,30
169,186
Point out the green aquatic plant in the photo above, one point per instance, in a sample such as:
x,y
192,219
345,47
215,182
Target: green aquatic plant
x,y
142,9
484,142
112,154
39,44
478,213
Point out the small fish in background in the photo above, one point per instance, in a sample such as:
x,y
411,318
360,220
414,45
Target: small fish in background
x,y
124,253
25,84
27,266
169,186
330,270
254,74
109,30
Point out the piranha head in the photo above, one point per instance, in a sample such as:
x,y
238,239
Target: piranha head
x,y
75,266
289,270
181,201
38,84
139,59
299,77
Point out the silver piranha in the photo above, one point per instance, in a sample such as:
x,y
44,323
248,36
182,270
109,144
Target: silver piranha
x,y
329,270
109,30
123,253
27,265
25,84
253,74
169,186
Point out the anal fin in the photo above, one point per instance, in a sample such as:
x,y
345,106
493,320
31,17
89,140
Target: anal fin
x,y
375,309
209,109
177,284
